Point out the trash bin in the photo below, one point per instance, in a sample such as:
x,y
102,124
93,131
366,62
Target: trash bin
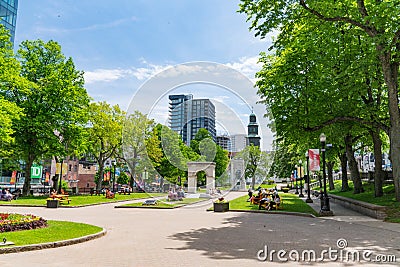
x,y
52,203
73,190
221,207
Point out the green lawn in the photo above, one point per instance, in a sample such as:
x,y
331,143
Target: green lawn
x,y
162,204
290,203
56,231
80,200
388,199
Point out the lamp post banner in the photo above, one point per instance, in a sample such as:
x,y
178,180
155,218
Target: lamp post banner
x,y
13,177
314,159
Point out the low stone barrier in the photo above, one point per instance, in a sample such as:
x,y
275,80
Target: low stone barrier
x,y
372,210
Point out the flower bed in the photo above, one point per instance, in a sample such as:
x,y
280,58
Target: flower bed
x,y
10,222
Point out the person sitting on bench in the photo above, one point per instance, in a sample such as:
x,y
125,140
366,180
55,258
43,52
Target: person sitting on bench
x,y
265,202
109,194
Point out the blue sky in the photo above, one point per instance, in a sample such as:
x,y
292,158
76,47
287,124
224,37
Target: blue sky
x,y
121,44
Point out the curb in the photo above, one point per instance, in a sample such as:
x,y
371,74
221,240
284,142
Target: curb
x,y
55,244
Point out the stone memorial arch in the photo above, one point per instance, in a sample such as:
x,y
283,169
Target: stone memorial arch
x,y
194,168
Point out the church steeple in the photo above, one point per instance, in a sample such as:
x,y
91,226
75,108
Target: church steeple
x,y
252,130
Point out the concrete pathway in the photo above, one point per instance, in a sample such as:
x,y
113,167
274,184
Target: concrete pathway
x,y
191,236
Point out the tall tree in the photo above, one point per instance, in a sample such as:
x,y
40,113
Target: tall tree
x,y
372,20
139,143
203,145
54,101
9,79
251,156
104,134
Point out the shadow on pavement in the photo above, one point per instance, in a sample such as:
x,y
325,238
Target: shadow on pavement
x,y
243,235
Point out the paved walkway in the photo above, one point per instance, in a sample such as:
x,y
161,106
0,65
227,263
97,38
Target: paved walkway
x,y
350,216
191,236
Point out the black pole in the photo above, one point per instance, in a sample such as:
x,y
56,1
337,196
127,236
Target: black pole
x,y
113,186
301,182
297,190
308,200
325,209
59,184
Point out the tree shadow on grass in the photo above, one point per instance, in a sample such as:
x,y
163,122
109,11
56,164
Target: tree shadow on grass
x,y
244,235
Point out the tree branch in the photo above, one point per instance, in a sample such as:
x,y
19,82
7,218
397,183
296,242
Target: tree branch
x,y
343,119
362,9
369,30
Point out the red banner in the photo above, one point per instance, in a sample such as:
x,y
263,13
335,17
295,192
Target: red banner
x,y
47,177
313,155
106,176
13,177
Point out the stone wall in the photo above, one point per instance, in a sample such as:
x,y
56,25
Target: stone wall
x,y
372,210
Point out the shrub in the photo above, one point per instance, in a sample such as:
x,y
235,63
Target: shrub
x,y
10,222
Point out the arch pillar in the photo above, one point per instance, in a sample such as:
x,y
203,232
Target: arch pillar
x,y
194,168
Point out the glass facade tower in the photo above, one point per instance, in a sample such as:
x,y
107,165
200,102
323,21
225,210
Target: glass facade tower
x,y
8,15
188,115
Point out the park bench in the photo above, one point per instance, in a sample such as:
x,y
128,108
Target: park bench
x,y
62,199
271,205
124,191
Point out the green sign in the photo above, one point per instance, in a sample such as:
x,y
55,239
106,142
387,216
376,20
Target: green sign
x,y
36,171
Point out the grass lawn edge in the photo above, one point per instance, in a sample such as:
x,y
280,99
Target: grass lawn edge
x,y
160,207
53,244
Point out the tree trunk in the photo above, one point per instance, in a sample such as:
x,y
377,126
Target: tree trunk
x,y
101,175
378,174
345,179
355,174
26,189
330,165
391,75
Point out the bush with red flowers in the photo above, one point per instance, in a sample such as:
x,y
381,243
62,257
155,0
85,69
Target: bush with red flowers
x,y
10,222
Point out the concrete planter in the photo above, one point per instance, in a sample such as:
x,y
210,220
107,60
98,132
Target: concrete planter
x,y
221,207
52,203
285,190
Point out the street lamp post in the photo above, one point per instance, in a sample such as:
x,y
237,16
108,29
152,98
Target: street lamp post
x,y
301,179
325,209
113,186
308,200
145,177
59,184
297,190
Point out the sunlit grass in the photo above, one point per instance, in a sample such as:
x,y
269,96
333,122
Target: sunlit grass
x,y
162,204
79,200
56,231
290,203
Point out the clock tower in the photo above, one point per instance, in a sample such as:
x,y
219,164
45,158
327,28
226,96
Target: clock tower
x,y
252,131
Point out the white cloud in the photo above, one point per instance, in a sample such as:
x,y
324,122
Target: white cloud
x,y
104,75
109,75
247,66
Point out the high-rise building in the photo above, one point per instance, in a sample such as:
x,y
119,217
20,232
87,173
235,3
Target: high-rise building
x,y
224,141
188,115
180,107
252,131
8,15
203,116
238,142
